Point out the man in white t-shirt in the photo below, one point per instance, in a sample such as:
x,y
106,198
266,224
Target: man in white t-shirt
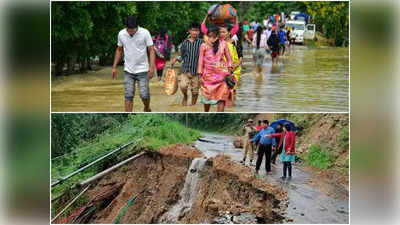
x,y
134,42
265,21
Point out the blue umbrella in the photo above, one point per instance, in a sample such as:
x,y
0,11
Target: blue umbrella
x,y
283,121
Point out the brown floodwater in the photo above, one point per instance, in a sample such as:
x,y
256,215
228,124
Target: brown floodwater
x,y
306,80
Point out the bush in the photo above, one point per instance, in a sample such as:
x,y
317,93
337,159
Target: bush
x,y
319,157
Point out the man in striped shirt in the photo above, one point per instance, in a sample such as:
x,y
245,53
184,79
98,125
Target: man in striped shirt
x,y
190,50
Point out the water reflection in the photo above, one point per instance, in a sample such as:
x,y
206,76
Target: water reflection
x,y
312,80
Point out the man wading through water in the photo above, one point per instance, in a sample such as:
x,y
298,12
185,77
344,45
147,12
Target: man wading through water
x,y
249,147
190,50
134,42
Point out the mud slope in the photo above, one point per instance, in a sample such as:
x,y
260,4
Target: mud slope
x,y
229,190
325,130
177,189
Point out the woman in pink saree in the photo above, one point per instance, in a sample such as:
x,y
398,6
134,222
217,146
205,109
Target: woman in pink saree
x,y
214,64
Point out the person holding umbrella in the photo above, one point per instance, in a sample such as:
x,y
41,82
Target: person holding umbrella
x,y
288,142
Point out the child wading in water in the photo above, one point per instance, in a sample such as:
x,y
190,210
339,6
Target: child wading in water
x,y
288,155
163,44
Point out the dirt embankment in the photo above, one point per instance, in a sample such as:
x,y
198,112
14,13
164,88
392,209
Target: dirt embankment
x,y
330,131
225,190
325,130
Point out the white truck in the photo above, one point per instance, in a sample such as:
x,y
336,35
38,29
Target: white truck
x,y
293,14
300,31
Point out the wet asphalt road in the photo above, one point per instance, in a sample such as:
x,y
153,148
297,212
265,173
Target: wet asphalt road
x,y
306,203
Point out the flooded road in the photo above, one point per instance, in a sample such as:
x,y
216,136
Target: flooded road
x,y
306,203
312,80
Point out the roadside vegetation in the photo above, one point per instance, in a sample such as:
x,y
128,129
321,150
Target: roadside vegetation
x,y
86,31
327,146
149,131
319,157
226,123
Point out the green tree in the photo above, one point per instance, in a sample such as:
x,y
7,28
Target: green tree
x,y
332,18
70,130
84,29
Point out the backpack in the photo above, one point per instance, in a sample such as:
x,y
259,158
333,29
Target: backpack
x,y
163,46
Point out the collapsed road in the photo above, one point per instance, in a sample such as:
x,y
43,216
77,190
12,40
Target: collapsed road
x,y
204,183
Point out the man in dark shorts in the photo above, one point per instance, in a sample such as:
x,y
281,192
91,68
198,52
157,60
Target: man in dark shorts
x,y
134,42
273,44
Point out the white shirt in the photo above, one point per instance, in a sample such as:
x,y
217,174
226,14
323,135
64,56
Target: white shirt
x,y
135,49
265,23
267,33
263,41
235,38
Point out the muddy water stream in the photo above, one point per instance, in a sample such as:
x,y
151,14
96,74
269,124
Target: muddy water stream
x,y
305,80
188,193
306,203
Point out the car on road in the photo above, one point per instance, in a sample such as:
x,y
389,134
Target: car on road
x,y
300,31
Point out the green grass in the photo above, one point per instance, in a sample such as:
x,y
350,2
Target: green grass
x,y
311,44
149,131
319,157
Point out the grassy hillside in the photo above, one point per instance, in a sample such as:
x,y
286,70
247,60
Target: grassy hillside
x,y
149,131
226,123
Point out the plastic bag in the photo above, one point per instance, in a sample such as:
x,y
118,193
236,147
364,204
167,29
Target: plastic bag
x,y
171,82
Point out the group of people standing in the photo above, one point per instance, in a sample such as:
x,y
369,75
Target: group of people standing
x,y
265,140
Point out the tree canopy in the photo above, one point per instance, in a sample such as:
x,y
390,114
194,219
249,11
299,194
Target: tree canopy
x,y
83,30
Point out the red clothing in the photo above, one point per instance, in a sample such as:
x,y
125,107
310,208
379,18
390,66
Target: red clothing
x,y
259,127
250,34
274,54
290,141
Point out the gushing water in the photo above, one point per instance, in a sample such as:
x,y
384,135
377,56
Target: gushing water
x,y
188,193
